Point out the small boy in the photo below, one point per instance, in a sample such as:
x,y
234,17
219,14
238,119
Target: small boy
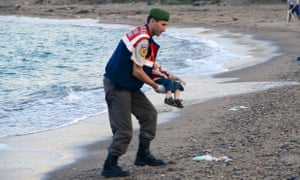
x,y
172,84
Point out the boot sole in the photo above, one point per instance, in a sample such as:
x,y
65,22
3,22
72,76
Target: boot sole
x,y
144,164
110,174
140,164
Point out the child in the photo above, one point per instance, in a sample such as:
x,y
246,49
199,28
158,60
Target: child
x,y
172,84
293,7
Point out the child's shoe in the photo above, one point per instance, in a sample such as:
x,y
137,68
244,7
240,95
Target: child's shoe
x,y
178,103
169,101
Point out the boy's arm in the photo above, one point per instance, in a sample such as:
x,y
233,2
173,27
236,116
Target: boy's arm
x,y
157,72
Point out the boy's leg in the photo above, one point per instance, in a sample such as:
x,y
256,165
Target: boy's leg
x,y
178,87
177,94
169,94
169,99
168,84
177,101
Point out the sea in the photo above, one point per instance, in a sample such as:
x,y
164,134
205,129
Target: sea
x,y
51,70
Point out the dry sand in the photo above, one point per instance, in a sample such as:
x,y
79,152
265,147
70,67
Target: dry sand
x,y
263,140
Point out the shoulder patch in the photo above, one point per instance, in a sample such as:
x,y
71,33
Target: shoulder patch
x,y
143,50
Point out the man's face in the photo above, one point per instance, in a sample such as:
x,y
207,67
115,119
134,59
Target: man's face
x,y
157,27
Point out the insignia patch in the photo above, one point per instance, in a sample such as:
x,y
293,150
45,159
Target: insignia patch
x,y
144,50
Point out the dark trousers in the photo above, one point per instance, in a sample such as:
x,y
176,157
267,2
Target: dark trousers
x,y
121,104
169,84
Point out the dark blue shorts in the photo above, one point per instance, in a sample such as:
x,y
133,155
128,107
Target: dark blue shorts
x,y
169,84
296,10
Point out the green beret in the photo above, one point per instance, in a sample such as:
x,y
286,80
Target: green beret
x,y
159,14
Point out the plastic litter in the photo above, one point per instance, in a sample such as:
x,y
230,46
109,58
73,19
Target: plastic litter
x,y
208,157
298,58
236,108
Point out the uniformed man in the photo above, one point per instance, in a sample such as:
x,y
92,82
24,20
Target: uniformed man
x,y
124,76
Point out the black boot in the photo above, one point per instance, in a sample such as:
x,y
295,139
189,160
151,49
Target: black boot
x,y
144,157
111,168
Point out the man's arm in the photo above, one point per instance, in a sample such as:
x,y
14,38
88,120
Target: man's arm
x,y
138,58
140,74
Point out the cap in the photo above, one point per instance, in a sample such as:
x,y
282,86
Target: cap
x,y
159,14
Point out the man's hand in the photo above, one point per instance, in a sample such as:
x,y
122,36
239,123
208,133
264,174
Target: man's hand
x,y
160,89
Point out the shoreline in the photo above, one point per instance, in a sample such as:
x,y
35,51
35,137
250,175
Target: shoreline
x,y
182,137
252,51
69,148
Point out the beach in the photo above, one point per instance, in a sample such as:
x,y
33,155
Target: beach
x,y
261,134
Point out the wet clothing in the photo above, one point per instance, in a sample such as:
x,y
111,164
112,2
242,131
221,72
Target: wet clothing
x,y
169,84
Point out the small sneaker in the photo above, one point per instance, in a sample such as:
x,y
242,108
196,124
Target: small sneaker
x,y
169,101
178,103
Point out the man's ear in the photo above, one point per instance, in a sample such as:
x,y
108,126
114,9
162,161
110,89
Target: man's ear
x,y
152,20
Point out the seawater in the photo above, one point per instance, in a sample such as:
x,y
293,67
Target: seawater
x,y
51,70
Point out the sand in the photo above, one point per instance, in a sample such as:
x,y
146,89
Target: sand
x,y
263,139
